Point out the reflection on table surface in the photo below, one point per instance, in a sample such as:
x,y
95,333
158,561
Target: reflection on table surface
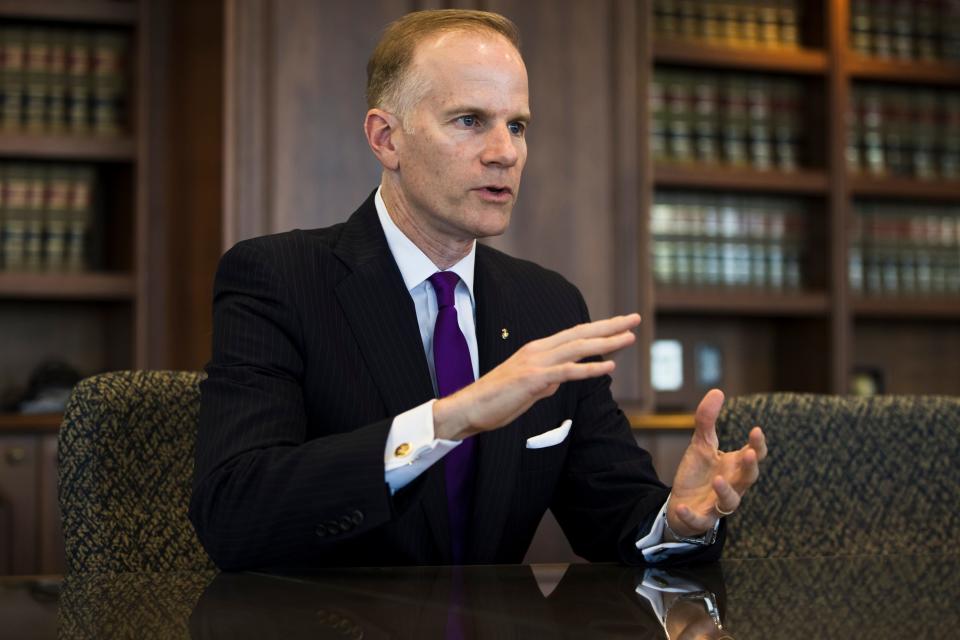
x,y
846,597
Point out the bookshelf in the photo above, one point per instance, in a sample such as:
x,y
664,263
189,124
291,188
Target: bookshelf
x,y
811,338
75,274
93,134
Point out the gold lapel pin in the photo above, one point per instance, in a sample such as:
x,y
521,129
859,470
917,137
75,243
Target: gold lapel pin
x,y
504,333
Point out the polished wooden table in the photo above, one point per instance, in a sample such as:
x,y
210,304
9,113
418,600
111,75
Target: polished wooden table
x,y
844,597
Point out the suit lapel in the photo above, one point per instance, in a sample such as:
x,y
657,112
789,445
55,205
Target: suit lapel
x,y
383,320
381,313
498,451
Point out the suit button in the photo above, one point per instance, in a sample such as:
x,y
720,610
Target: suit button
x,y
356,517
321,531
345,523
332,527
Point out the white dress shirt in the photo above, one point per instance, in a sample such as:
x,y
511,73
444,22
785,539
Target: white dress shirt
x,y
414,428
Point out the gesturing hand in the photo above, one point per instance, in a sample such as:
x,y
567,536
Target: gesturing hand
x,y
535,371
710,481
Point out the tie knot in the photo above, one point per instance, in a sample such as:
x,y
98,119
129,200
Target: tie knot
x,y
444,283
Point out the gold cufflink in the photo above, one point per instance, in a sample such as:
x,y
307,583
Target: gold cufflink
x,y
504,333
402,450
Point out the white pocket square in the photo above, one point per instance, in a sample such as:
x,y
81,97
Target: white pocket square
x,y
550,438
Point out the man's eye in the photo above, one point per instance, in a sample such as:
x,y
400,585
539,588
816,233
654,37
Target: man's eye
x,y
468,121
517,128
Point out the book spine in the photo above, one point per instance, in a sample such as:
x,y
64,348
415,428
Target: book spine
x,y
36,80
35,208
57,220
56,119
16,219
109,53
14,55
78,81
81,217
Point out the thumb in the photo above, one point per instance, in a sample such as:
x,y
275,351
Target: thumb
x,y
705,419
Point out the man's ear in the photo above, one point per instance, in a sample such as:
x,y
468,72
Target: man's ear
x,y
380,127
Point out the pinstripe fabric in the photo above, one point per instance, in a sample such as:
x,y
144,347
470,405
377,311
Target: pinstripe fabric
x,y
316,348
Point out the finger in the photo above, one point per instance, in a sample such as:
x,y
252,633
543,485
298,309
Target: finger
x,y
595,329
578,371
585,347
728,500
705,420
758,442
695,521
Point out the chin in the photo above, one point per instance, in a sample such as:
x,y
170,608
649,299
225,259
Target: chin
x,y
491,226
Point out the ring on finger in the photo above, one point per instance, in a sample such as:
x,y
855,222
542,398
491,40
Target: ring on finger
x,y
722,512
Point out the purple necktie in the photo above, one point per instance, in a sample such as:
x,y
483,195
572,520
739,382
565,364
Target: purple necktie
x,y
451,357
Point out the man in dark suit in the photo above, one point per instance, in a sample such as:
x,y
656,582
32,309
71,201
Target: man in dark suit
x,y
321,438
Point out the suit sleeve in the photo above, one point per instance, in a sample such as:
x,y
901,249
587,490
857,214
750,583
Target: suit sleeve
x,y
609,492
263,495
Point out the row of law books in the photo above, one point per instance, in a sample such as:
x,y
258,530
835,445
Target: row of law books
x,y
739,23
712,240
46,214
906,29
63,80
904,250
730,119
905,132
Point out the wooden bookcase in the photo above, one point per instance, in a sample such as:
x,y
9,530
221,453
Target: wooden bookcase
x,y
811,340
95,319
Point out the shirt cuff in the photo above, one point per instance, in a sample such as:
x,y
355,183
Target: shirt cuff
x,y
653,549
411,448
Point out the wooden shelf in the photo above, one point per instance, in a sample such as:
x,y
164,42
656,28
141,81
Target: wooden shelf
x,y
66,286
18,422
67,147
798,61
697,176
896,187
661,421
93,11
744,303
944,307
863,68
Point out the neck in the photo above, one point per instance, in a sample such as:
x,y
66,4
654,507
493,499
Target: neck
x,y
443,250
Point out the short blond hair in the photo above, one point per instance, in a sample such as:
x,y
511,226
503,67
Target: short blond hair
x,y
388,84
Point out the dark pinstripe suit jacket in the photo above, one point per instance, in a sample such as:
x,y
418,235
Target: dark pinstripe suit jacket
x,y
316,348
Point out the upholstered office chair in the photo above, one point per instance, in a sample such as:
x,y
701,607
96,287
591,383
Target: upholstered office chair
x,y
848,475
125,472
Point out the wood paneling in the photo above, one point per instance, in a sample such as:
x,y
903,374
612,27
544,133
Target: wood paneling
x,y
19,468
915,356
295,78
195,178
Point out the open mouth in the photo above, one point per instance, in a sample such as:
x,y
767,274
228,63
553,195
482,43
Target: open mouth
x,y
496,189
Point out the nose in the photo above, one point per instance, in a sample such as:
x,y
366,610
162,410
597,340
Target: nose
x,y
500,147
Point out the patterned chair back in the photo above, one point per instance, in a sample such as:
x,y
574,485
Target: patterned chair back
x,y
125,471
848,475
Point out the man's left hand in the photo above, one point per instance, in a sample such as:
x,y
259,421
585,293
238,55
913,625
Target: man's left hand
x,y
709,482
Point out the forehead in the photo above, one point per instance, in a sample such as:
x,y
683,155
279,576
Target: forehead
x,y
464,62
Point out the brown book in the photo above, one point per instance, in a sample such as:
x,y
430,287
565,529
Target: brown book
x,y
57,218
16,218
81,219
36,80
12,77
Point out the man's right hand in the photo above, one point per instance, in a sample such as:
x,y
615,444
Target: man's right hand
x,y
534,372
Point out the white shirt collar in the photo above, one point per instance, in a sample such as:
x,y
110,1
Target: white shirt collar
x,y
415,266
